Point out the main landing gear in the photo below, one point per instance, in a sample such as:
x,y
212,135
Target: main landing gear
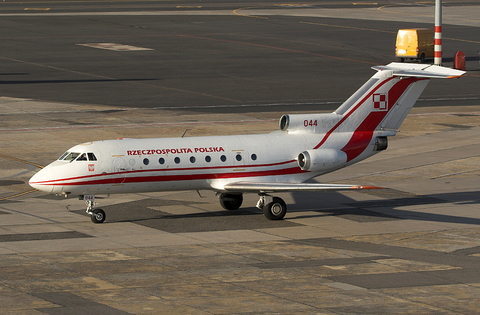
x,y
274,208
97,215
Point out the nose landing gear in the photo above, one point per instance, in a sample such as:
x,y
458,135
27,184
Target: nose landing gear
x,y
97,215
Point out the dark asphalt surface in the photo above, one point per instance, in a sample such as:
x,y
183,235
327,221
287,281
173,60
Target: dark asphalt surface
x,y
223,63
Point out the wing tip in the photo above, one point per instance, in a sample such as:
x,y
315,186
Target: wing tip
x,y
366,187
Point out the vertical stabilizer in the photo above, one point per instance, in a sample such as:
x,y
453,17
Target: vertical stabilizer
x,y
382,103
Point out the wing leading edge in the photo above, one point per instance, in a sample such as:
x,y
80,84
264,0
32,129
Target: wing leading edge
x,y
289,187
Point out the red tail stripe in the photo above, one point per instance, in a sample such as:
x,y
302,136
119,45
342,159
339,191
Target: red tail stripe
x,y
363,134
327,135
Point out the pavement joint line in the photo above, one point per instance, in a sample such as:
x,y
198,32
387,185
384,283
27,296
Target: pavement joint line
x,y
457,173
133,126
29,215
410,167
115,79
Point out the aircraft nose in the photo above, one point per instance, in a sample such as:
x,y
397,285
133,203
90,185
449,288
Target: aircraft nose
x,y
44,180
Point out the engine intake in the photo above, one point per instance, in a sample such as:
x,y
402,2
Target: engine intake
x,y
381,144
309,123
321,160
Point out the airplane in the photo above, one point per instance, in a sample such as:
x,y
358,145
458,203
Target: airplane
x,y
306,146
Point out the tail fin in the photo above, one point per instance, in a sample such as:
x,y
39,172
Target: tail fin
x,y
386,99
383,102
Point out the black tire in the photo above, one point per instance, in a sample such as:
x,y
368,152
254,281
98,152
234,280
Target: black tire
x,y
276,209
98,216
231,201
401,59
422,58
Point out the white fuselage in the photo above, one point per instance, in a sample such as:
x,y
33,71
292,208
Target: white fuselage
x,y
193,163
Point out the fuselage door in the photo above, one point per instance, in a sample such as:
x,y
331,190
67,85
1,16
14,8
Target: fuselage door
x,y
119,169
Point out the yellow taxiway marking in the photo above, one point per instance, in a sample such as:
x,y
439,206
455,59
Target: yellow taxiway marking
x,y
18,195
19,160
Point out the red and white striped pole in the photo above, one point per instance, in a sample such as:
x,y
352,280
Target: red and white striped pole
x,y
438,33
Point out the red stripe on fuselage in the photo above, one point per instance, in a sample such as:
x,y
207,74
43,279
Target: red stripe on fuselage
x,y
60,181
186,177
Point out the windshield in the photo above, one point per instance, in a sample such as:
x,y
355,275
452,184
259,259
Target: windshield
x,y
77,156
70,156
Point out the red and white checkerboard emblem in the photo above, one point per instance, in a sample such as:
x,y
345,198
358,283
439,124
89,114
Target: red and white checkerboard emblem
x,y
91,167
380,102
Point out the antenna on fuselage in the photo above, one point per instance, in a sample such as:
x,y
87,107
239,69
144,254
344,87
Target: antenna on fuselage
x,y
185,132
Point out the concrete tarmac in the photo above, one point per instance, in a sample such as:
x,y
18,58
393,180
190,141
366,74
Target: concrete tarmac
x,y
411,248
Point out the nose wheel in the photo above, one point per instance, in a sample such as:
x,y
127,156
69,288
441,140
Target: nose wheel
x,y
96,215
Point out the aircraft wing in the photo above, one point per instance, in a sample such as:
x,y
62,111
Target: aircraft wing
x,y
288,187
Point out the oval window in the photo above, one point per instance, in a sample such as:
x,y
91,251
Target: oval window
x,y
146,161
161,161
223,158
238,157
192,159
208,159
254,157
177,160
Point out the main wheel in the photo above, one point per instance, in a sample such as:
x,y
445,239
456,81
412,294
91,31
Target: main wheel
x,y
276,209
231,201
98,216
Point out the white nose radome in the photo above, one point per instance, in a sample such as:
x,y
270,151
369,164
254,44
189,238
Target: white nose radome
x,y
44,180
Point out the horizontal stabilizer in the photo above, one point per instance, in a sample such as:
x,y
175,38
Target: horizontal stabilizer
x,y
288,187
420,70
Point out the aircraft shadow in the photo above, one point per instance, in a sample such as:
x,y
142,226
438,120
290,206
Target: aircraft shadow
x,y
388,209
142,212
312,205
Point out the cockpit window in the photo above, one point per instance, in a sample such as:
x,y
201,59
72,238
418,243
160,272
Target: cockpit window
x,y
82,157
63,155
71,156
91,157
77,156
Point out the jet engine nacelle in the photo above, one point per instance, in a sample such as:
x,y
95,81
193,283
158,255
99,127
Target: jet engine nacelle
x,y
320,160
309,123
